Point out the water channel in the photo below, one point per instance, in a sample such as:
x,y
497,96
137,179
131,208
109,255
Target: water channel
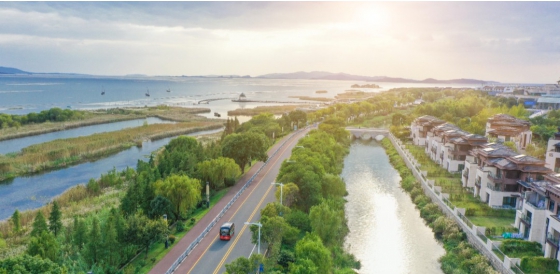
x,y
31,192
14,145
386,232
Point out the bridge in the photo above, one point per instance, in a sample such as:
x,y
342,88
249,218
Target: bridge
x,y
368,133
207,101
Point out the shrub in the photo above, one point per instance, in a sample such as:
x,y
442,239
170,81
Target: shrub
x,y
520,248
172,239
93,187
180,227
539,265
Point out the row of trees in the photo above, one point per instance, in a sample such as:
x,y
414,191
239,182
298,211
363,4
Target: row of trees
x,y
305,234
170,183
52,115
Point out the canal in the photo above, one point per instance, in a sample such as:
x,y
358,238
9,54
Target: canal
x,y
15,145
386,232
32,192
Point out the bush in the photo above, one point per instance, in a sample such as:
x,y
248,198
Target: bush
x,y
539,265
172,239
180,226
93,187
520,248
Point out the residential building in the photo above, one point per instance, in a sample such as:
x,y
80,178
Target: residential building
x,y
508,128
552,223
421,126
553,152
532,211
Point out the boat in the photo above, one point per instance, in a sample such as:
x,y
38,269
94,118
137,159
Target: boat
x,y
148,93
168,90
217,114
103,92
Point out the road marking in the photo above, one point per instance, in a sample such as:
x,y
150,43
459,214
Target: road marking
x,y
242,230
241,205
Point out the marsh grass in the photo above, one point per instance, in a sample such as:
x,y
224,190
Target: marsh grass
x,y
277,110
64,152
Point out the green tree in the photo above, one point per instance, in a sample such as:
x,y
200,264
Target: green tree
x,y
183,192
303,266
44,246
328,222
30,264
289,192
143,231
244,265
55,219
242,147
16,222
79,232
160,206
311,247
93,246
216,171
39,225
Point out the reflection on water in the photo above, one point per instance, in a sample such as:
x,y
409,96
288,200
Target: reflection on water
x,y
386,232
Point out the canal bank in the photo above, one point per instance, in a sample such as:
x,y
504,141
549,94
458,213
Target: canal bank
x,y
386,234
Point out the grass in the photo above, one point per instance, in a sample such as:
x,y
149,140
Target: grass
x,y
96,117
64,152
277,110
491,221
158,251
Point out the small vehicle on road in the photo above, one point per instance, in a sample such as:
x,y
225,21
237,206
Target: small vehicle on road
x,y
226,231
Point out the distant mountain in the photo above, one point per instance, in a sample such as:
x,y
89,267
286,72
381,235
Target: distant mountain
x,y
323,75
5,70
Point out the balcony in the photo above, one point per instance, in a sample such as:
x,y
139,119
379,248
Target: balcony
x,y
478,183
538,205
553,240
496,179
466,174
493,187
525,219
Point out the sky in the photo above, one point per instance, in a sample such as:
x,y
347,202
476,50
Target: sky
x,y
514,42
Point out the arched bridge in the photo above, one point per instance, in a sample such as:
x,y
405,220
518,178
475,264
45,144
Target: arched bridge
x,y
368,133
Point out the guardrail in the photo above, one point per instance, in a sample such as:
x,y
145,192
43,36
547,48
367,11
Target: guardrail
x,y
217,218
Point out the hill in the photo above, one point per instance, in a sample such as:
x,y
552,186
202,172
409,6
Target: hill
x,y
6,70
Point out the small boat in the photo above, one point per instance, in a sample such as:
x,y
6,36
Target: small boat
x,y
103,92
217,114
168,90
148,93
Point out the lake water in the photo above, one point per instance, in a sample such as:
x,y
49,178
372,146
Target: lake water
x,y
14,145
24,94
35,191
386,232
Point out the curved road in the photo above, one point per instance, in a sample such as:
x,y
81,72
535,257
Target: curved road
x,y
211,254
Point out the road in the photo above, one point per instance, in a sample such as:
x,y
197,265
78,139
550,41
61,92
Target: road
x,y
211,254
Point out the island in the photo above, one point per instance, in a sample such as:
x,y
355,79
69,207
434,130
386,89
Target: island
x,y
365,86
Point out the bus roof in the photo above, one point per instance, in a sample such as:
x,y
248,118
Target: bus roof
x,y
228,225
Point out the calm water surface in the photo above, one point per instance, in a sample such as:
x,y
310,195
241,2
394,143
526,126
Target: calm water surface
x,y
35,191
15,145
386,232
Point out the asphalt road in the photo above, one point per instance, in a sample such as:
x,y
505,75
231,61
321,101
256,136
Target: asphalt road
x,y
212,254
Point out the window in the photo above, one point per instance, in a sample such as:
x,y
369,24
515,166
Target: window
x,y
551,206
461,167
509,201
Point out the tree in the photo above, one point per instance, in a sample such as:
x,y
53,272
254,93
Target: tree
x,y
242,147
55,222
44,246
244,265
303,266
311,247
79,230
181,154
93,245
183,192
143,231
160,206
289,191
39,225
30,264
216,171
16,221
328,222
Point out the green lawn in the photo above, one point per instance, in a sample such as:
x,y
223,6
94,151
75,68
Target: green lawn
x,y
158,251
492,221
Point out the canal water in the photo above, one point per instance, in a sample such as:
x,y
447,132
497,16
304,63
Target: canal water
x,y
31,192
15,145
386,232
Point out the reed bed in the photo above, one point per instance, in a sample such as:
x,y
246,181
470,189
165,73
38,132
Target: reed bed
x,y
64,152
277,110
